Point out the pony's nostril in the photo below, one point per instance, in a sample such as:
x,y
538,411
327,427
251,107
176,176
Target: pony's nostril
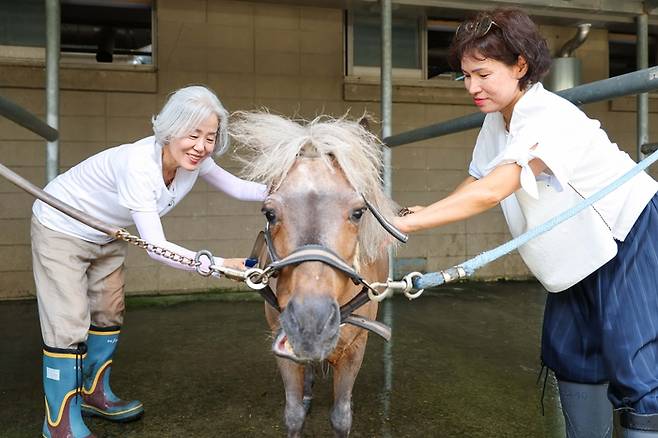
x,y
290,317
317,316
334,318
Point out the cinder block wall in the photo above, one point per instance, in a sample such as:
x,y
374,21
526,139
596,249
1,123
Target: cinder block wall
x,y
287,58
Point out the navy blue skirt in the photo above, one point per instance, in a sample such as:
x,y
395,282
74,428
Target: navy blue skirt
x,y
605,328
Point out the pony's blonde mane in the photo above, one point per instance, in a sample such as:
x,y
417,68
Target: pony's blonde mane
x,y
270,144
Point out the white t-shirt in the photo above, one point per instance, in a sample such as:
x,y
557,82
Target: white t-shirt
x,y
114,182
581,160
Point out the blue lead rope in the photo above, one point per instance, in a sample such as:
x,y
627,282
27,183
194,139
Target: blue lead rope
x,y
467,268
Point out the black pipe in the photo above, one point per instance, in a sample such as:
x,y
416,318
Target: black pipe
x,y
26,119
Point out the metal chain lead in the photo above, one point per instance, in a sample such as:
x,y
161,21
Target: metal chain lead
x,y
254,277
149,247
258,278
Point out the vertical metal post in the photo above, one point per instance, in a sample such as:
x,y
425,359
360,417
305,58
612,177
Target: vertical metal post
x,y
52,84
387,96
643,98
386,110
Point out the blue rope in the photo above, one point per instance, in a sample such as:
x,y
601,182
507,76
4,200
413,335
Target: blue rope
x,y
470,266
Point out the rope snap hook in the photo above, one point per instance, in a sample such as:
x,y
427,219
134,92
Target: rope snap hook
x,y
409,281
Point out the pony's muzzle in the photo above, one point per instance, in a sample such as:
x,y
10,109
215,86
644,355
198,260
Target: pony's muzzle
x,y
309,328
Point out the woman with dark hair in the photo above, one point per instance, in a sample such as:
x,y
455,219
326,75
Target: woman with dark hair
x,y
537,155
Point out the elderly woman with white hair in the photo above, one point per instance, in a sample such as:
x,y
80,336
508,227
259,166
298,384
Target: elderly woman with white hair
x,y
79,271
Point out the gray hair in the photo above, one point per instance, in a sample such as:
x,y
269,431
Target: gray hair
x,y
185,109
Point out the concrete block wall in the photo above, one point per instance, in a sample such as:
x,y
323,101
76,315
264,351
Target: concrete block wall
x,y
290,59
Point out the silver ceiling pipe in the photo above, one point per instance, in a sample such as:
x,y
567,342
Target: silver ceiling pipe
x,y
565,68
570,46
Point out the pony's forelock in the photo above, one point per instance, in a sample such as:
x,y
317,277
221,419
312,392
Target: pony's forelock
x,y
269,145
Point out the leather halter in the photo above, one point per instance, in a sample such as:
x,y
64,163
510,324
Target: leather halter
x,y
309,253
322,254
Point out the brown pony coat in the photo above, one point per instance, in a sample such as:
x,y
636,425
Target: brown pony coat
x,y
316,200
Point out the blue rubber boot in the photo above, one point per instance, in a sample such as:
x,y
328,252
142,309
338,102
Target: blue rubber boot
x,y
586,409
62,380
98,398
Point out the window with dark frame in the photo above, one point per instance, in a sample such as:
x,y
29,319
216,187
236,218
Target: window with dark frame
x,y
364,47
419,45
118,32
111,31
439,37
623,53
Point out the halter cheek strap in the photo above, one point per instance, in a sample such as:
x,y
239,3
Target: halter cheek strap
x,y
392,230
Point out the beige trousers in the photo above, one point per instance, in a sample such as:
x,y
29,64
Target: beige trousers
x,y
78,283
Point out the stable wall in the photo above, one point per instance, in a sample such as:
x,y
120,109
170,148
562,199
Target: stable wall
x,y
287,58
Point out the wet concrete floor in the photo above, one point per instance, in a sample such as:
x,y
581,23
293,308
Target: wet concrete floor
x,y
463,362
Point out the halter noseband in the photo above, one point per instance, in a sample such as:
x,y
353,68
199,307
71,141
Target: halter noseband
x,y
322,254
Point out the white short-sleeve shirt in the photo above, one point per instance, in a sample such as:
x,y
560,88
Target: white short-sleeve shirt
x,y
581,160
111,184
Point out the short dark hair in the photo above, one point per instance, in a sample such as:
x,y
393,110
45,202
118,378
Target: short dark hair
x,y
510,34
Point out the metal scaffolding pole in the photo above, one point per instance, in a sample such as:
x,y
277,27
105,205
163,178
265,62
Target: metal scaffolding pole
x,y
52,84
387,111
631,83
642,98
387,95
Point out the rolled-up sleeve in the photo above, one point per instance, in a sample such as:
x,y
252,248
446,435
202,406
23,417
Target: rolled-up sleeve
x,y
530,142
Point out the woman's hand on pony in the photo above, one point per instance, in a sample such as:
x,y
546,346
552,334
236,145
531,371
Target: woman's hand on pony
x,y
401,221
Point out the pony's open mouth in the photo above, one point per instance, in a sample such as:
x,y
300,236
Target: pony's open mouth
x,y
282,348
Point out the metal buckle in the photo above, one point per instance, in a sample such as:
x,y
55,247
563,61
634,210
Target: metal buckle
x,y
249,276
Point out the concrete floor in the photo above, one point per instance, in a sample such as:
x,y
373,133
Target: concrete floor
x,y
463,362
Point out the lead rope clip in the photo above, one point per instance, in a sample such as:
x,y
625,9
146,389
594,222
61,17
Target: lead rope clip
x,y
409,280
405,285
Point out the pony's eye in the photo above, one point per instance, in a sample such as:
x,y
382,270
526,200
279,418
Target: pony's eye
x,y
357,214
270,216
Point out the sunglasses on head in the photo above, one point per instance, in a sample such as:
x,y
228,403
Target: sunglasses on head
x,y
477,29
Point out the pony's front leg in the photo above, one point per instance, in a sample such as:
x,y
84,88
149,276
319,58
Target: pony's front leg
x,y
346,369
293,382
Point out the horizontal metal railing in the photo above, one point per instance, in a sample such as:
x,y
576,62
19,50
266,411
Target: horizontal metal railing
x,y
26,119
640,81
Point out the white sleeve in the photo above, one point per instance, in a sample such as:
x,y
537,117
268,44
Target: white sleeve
x,y
234,186
474,171
533,140
150,229
484,141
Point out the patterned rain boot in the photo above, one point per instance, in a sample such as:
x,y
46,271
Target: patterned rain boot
x,y
98,398
62,380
